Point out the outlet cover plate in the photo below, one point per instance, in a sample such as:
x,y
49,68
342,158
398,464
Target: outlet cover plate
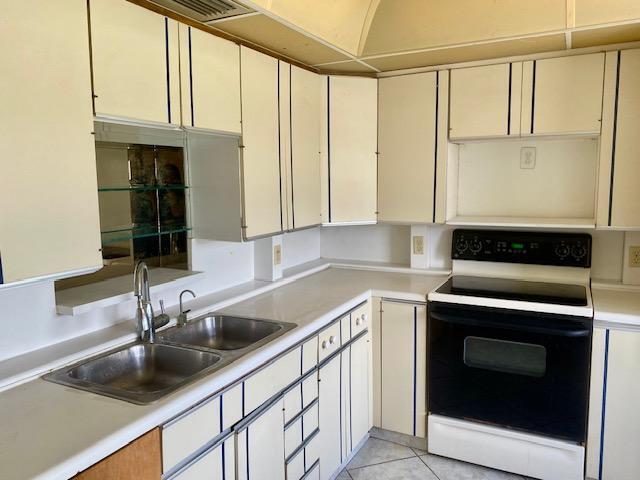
x,y
528,158
277,254
418,245
634,256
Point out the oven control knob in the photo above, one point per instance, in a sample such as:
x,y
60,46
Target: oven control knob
x,y
475,246
461,245
578,251
562,250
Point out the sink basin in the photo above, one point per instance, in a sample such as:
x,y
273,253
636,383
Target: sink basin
x,y
139,373
222,332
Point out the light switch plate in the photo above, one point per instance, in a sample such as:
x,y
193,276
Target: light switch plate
x,y
418,245
277,254
528,158
634,256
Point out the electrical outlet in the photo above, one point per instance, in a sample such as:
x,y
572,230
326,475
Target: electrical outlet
x,y
528,158
634,256
418,245
277,254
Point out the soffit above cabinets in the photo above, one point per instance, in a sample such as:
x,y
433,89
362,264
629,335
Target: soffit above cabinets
x,y
369,36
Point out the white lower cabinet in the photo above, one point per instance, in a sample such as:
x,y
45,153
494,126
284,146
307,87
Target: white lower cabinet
x,y
402,357
217,463
614,417
260,445
360,379
330,439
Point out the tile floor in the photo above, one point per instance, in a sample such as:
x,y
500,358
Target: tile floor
x,y
383,460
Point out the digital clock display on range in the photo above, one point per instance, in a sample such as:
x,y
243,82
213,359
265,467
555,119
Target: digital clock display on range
x,y
517,246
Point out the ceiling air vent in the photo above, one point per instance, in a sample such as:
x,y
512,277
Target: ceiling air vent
x,y
205,10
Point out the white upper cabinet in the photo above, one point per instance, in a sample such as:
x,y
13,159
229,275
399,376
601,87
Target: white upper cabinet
x,y
49,222
619,195
352,164
482,101
566,95
304,168
210,80
135,62
260,133
407,119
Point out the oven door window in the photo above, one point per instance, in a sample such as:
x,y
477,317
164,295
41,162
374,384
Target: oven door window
x,y
505,356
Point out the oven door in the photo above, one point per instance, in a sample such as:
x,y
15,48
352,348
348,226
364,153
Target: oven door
x,y
523,370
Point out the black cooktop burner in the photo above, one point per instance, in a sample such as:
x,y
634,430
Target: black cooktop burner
x,y
539,292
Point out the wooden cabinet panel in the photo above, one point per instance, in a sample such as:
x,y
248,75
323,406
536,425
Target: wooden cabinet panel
x,y
330,441
403,368
304,171
567,94
49,222
407,144
261,158
135,62
261,446
140,460
360,376
625,210
480,102
352,149
210,81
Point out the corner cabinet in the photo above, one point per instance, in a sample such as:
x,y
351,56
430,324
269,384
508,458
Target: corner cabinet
x,y
411,129
135,62
352,149
614,420
619,196
210,81
261,144
49,222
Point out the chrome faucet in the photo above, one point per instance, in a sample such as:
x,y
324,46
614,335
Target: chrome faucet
x,y
182,318
145,318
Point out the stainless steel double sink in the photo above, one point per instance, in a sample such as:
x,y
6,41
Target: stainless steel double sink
x,y
143,373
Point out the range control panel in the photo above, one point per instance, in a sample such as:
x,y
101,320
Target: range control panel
x,y
540,248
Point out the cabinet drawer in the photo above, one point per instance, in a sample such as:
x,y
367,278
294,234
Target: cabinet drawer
x,y
309,389
216,463
231,406
314,472
295,467
312,453
345,329
292,437
292,403
270,380
328,341
309,421
360,319
186,434
309,354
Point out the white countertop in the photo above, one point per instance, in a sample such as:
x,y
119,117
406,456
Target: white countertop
x,y
616,305
51,431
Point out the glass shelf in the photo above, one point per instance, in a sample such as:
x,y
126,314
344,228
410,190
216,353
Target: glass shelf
x,y
142,188
132,232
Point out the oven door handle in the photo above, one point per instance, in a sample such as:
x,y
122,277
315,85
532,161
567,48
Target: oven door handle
x,y
521,325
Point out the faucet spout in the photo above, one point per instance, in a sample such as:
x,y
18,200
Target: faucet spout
x,y
144,310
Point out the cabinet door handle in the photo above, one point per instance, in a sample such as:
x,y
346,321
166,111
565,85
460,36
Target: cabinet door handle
x,y
332,340
324,344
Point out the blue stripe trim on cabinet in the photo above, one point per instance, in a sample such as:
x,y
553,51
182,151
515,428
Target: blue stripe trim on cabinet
x,y
1,277
533,96
247,447
224,470
435,153
604,402
350,400
166,58
340,397
415,364
243,413
191,80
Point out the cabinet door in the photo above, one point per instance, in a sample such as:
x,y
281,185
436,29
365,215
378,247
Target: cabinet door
x,y
625,195
260,446
480,102
135,62
49,223
140,460
218,463
210,81
407,144
567,94
330,437
404,358
261,160
620,460
304,172
352,149
361,385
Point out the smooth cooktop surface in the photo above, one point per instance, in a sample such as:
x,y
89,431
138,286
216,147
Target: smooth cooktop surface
x,y
506,289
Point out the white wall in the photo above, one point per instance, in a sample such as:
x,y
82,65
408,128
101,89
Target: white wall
x,y
300,247
375,243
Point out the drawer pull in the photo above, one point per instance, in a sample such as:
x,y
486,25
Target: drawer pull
x,y
332,339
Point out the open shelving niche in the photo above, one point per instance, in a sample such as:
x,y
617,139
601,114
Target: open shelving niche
x,y
559,192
